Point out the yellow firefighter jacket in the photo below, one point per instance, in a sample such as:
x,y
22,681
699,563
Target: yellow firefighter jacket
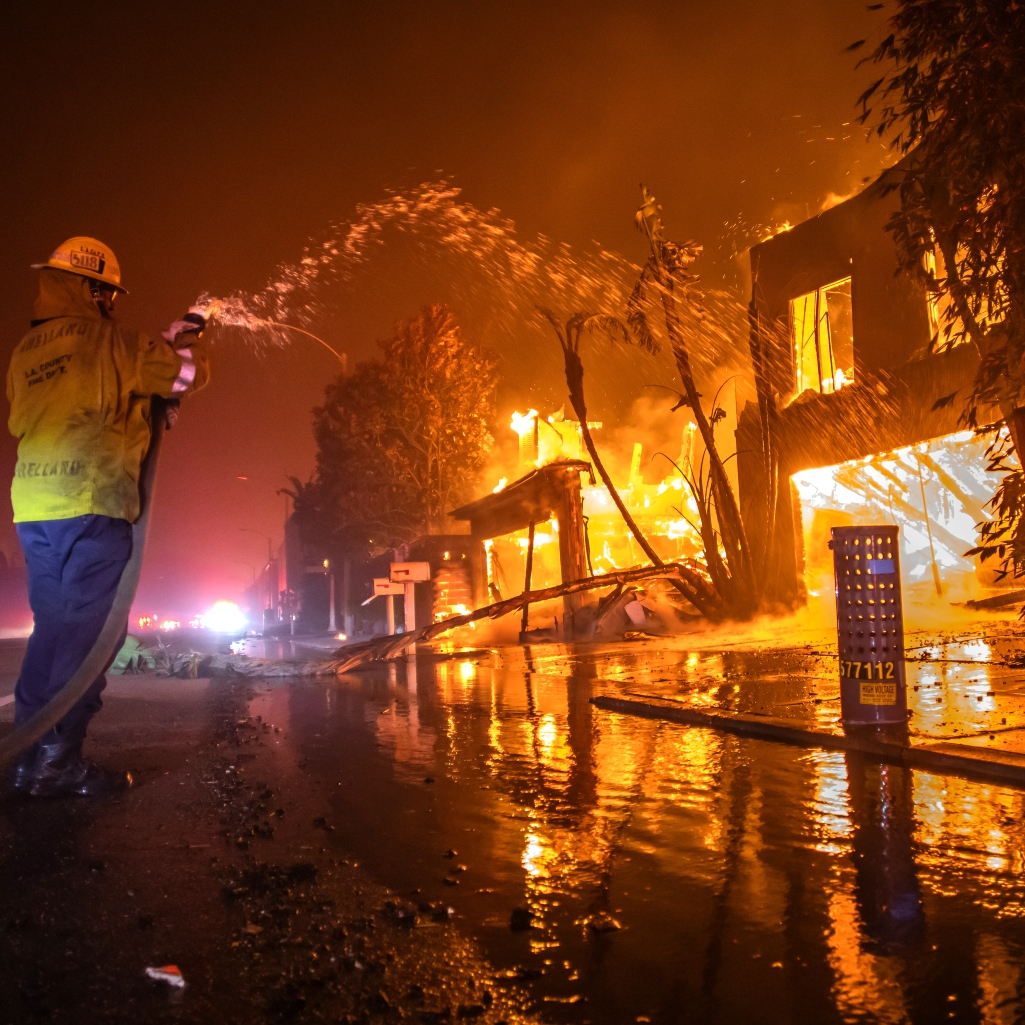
x,y
79,386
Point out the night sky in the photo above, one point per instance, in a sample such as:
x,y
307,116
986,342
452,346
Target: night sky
x,y
205,143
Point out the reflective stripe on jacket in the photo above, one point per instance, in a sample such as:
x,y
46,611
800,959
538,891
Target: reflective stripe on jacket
x,y
79,386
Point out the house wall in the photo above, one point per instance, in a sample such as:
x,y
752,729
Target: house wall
x,y
893,401
891,319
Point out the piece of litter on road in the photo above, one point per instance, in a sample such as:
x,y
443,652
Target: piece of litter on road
x,y
170,973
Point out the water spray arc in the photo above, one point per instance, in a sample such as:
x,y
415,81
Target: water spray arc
x,y
340,356
234,312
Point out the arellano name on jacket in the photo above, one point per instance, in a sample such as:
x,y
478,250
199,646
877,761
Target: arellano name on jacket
x,y
61,468
51,334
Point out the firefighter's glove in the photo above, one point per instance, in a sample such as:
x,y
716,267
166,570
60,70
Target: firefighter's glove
x,y
193,323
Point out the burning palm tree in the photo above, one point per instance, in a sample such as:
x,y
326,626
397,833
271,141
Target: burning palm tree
x,y
735,586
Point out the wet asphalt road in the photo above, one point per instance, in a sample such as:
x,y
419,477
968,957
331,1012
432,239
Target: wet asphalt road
x,y
468,838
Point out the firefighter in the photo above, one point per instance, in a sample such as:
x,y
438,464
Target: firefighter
x,y
80,386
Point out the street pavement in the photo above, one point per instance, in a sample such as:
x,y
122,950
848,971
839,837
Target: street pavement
x,y
464,835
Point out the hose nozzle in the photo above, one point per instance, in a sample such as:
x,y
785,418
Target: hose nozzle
x,y
209,310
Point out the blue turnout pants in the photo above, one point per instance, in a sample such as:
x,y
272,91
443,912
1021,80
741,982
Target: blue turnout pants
x,y
74,566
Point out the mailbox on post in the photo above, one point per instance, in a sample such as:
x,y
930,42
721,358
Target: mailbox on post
x,y
408,574
870,624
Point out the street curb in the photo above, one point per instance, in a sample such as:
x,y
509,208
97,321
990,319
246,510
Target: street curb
x,y
944,757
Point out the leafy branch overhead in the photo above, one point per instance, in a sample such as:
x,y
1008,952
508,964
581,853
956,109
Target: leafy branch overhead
x,y
952,104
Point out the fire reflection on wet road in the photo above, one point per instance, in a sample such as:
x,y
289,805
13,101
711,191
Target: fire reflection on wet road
x,y
633,870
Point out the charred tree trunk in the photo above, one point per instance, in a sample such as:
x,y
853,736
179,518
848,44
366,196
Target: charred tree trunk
x,y
380,648
570,341
768,563
742,591
733,571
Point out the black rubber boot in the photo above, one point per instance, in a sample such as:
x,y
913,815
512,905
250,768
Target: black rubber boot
x,y
60,770
22,769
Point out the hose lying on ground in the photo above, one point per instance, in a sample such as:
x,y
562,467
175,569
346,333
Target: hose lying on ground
x,y
105,647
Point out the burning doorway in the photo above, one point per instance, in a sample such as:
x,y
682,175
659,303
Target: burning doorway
x,y
935,491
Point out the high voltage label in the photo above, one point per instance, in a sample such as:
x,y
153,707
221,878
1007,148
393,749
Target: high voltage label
x,y
878,693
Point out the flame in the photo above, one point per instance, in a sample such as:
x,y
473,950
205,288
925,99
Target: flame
x,y
523,423
604,563
772,232
680,528
664,509
540,539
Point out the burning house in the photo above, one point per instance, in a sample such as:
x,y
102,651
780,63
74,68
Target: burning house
x,y
857,419
577,530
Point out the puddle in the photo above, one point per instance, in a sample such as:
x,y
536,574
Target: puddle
x,y
638,870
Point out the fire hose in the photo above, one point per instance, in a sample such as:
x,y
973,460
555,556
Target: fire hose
x,y
105,648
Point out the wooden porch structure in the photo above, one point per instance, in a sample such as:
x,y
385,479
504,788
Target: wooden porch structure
x,y
533,499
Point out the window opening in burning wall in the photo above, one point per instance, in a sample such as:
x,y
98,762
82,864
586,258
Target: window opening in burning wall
x,y
823,333
940,326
